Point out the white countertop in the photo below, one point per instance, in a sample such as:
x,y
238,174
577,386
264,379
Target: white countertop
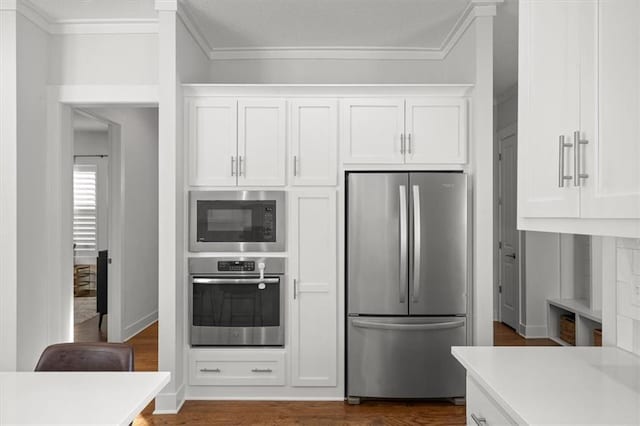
x,y
558,385
105,398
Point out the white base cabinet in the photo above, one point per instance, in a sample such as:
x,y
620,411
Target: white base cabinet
x,y
313,299
482,410
236,367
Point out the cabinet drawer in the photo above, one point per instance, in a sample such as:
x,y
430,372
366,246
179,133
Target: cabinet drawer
x,y
483,407
236,368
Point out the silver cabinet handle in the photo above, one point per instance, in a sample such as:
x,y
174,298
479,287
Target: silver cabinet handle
x,y
261,370
295,166
210,370
233,165
403,242
480,421
401,143
417,231
240,165
561,147
577,160
409,143
236,281
295,288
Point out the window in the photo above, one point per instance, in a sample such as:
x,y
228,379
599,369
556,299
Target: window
x,y
85,212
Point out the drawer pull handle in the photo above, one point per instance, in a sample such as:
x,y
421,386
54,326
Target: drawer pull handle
x,y
262,370
210,370
480,421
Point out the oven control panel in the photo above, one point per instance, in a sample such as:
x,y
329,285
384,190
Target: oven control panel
x,y
237,265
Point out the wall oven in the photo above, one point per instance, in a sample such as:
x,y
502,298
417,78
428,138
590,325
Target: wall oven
x,y
236,301
237,221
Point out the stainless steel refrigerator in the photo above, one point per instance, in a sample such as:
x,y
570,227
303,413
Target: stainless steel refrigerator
x,y
407,284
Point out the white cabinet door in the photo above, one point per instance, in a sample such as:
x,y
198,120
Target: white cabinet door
x,y
549,108
612,159
261,142
371,130
314,142
436,131
212,136
314,356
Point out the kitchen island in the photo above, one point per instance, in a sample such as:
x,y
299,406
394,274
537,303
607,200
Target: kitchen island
x,y
551,385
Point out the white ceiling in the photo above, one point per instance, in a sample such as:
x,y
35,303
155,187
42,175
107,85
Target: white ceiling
x,y
82,122
325,23
256,24
65,10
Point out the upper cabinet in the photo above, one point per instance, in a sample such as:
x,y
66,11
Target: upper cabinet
x,y
235,142
579,103
314,142
399,131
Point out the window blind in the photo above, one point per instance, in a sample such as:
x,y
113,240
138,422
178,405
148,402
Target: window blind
x,y
85,212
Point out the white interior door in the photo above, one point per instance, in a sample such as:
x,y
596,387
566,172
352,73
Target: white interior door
x,y
314,353
611,159
548,108
261,142
371,130
509,235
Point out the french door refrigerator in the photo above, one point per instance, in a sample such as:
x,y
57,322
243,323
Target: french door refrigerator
x,y
407,281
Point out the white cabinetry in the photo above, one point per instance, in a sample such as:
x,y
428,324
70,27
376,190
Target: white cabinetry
x,y
399,131
579,103
482,410
212,136
235,142
231,367
313,299
314,142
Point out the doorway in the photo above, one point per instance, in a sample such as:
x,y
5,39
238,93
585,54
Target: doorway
x,y
509,237
91,149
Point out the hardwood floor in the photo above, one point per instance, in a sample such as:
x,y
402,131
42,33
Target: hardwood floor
x,y
87,331
308,412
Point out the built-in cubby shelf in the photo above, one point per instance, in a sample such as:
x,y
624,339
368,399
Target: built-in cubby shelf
x,y
586,320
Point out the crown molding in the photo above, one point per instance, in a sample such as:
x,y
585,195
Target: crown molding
x,y
82,26
474,9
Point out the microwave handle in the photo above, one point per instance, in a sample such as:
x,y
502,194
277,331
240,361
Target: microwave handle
x,y
235,281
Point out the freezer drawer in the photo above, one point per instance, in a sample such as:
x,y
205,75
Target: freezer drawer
x,y
405,357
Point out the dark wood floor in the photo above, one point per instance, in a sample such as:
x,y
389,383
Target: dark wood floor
x,y
293,412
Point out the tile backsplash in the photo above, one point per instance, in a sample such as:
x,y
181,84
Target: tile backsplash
x,y
628,294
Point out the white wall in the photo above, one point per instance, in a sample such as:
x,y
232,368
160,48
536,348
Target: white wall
x,y
139,175
627,300
90,142
8,189
455,68
103,59
193,64
542,277
33,223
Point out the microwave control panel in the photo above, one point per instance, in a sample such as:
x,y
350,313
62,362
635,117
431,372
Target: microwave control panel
x,y
268,223
237,265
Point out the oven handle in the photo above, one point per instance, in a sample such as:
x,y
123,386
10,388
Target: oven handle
x,y
236,281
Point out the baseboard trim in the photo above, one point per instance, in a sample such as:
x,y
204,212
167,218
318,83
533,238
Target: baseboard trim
x,y
259,398
536,332
170,403
135,328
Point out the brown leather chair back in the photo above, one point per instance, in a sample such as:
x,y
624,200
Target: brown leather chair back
x,y
86,357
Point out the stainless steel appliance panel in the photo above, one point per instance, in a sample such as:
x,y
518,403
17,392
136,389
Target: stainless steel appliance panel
x,y
237,246
438,244
377,244
407,357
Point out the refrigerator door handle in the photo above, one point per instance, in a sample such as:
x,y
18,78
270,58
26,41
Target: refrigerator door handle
x,y
403,243
407,327
416,242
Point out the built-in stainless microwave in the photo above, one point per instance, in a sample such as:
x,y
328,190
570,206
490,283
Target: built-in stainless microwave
x,y
237,221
